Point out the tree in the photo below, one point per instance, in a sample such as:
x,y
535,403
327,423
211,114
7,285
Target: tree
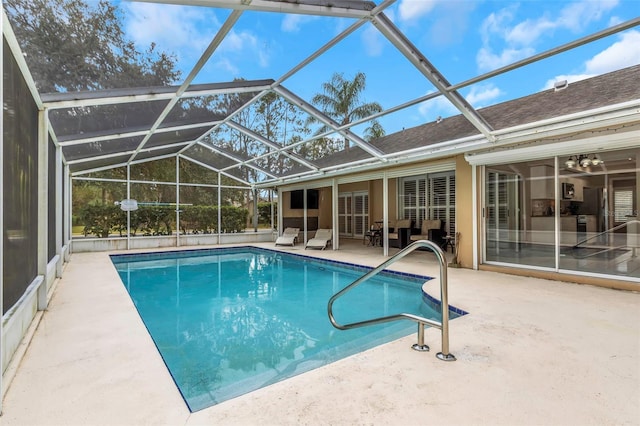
x,y
72,46
76,45
341,100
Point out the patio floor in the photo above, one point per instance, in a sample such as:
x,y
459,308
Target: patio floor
x,y
530,352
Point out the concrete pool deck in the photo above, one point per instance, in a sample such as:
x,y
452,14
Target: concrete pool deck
x,y
530,352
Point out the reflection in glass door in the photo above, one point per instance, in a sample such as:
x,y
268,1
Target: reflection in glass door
x,y
587,223
502,213
599,215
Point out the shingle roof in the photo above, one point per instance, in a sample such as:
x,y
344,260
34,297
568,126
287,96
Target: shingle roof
x,y
604,90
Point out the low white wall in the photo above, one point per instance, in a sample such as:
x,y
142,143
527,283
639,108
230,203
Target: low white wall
x,y
80,245
16,321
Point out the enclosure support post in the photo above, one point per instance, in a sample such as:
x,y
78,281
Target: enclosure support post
x,y
271,207
255,210
475,210
219,209
128,211
385,215
59,217
280,211
43,208
304,215
66,206
177,201
334,216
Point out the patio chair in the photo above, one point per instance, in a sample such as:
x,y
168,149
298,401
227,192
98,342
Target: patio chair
x,y
289,237
372,236
432,230
400,233
321,240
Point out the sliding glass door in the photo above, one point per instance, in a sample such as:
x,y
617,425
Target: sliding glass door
x,y
588,223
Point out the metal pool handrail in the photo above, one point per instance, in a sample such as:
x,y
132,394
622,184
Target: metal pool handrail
x,y
442,325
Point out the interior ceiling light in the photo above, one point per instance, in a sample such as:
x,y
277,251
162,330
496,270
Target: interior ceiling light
x,y
584,161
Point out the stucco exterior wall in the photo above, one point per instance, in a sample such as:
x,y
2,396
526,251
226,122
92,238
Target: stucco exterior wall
x,y
325,212
464,211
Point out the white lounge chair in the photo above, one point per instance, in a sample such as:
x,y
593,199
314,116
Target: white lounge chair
x,y
321,240
289,237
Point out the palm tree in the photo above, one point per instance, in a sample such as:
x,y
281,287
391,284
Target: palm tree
x,y
341,100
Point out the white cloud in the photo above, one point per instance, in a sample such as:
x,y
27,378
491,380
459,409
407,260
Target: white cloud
x,y
517,39
372,40
479,95
177,29
574,17
527,32
623,53
410,10
615,20
487,60
435,107
293,22
482,94
226,65
497,24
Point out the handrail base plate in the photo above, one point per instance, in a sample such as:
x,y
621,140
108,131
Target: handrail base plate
x,y
421,348
447,357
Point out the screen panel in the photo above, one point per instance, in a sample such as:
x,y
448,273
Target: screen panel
x,y
20,186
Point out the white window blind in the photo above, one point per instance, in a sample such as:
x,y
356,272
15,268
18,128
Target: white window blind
x,y
623,204
431,196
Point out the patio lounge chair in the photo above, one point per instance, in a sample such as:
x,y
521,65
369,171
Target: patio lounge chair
x,y
321,240
289,237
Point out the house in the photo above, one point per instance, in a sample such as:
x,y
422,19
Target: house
x,y
583,135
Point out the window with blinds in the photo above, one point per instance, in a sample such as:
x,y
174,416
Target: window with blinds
x,y
353,214
622,204
431,196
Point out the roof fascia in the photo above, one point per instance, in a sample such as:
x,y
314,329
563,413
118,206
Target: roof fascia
x,y
612,115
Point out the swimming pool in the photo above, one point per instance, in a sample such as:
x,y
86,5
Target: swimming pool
x,y
232,320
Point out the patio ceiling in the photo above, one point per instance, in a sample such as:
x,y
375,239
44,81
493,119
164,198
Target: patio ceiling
x,y
159,122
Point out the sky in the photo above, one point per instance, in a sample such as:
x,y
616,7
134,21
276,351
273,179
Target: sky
x,y
462,39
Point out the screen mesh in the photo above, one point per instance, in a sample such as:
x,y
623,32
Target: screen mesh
x,y
20,188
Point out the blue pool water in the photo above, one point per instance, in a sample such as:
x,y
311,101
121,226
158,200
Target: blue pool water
x,y
230,321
